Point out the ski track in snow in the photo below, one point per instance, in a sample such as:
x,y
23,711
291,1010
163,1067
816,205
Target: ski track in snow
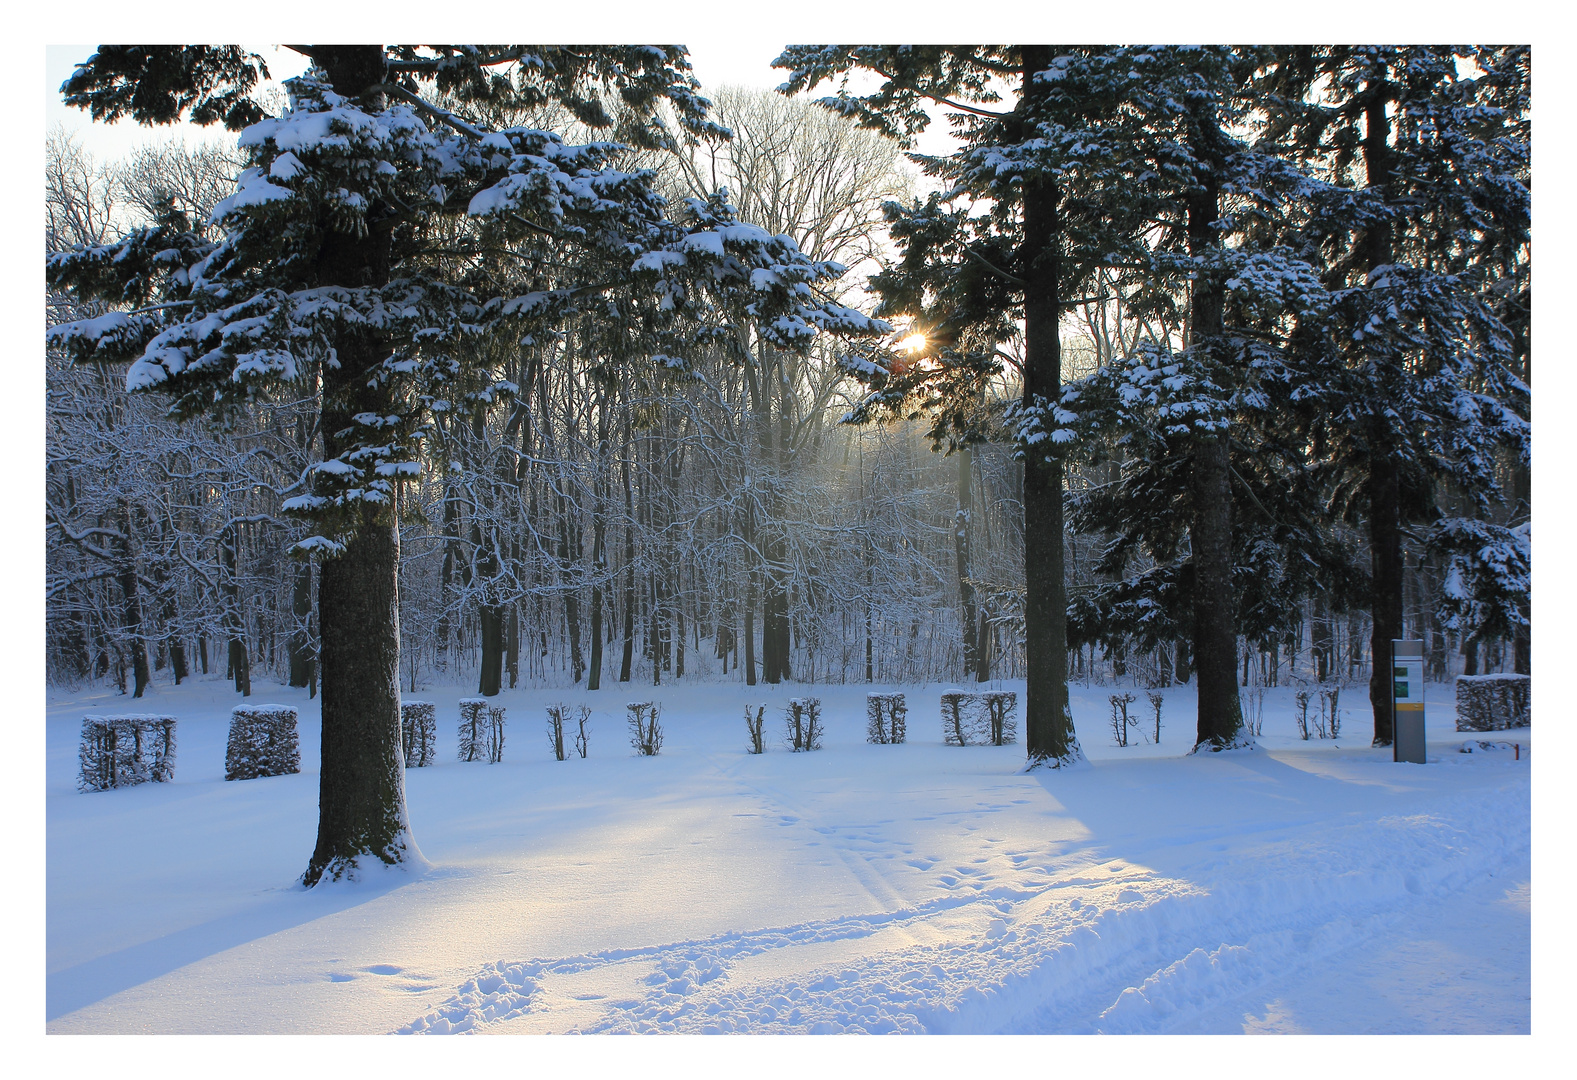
x,y
1073,943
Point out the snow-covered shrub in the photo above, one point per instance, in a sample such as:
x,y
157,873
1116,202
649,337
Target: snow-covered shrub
x,y
646,730
884,718
558,715
559,720
753,725
956,725
1302,714
262,742
978,719
495,734
473,728
1253,704
1493,702
1120,721
583,734
802,721
118,751
418,729
1001,707
1156,701
1330,719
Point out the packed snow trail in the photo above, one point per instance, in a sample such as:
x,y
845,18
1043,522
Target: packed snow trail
x,y
1301,887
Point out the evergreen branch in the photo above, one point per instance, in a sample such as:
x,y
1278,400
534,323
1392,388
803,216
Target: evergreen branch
x,y
442,115
949,102
1020,282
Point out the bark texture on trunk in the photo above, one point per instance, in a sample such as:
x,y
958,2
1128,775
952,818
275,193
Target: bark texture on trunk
x,y
1385,561
361,791
1220,716
490,620
1048,725
1383,483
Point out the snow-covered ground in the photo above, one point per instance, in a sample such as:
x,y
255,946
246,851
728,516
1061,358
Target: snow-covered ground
x,y
1300,887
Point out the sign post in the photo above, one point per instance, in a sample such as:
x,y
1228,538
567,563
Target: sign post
x,y
1407,701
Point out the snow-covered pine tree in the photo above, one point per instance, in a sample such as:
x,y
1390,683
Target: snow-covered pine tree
x,y
1194,401
328,278
1007,241
1411,383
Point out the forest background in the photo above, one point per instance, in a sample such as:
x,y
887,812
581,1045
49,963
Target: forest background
x,y
696,527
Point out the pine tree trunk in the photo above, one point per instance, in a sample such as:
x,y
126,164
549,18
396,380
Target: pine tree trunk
x,y
1385,560
1048,724
1383,482
361,792
1220,717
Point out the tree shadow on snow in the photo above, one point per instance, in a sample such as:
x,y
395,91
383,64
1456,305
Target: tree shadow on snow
x,y
275,910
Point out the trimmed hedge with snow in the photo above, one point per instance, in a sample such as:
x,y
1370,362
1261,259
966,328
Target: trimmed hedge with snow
x,y
884,718
118,751
262,742
1494,702
984,718
481,731
418,728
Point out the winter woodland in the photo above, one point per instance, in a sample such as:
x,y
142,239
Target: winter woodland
x,y
1188,365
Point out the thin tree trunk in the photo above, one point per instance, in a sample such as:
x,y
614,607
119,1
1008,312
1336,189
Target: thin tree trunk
x,y
131,601
301,658
961,537
1320,635
239,665
599,543
629,558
